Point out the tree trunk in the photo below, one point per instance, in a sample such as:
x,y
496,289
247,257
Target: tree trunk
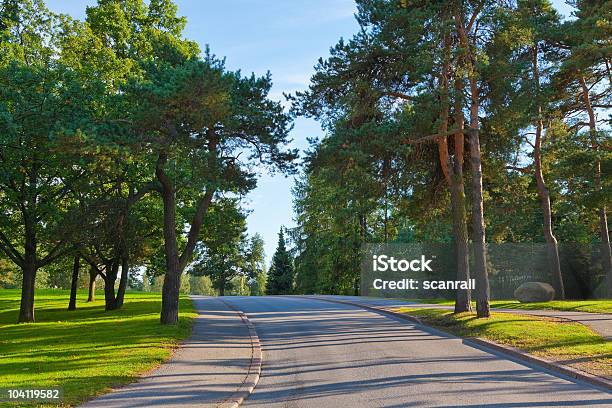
x,y
463,299
175,263
478,222
552,248
453,174
172,278
26,309
122,283
111,269
29,268
91,293
604,234
170,297
222,287
74,283
480,255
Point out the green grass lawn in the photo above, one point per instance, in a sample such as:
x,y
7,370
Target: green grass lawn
x,y
88,350
569,343
590,306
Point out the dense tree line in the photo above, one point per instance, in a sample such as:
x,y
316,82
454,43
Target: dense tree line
x,y
119,139
457,121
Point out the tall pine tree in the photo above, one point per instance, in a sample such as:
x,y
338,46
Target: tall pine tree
x,y
280,277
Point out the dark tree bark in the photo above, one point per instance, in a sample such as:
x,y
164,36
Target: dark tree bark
x,y
122,282
74,283
172,278
222,284
91,293
111,268
26,309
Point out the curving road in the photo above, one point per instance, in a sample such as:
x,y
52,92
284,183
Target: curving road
x,y
320,354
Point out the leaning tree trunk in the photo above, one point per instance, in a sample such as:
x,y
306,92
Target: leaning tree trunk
x,y
604,234
552,248
74,283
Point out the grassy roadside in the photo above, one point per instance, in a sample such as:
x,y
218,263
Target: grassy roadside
x,y
589,306
567,343
88,350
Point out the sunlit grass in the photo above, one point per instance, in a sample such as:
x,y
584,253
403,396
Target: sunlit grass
x,y
590,306
86,351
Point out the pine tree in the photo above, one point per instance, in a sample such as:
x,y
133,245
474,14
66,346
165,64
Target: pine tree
x,y
280,277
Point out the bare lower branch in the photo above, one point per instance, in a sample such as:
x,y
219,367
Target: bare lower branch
x,y
434,137
9,250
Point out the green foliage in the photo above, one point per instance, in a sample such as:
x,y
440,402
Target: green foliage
x,y
201,285
185,286
257,286
10,277
239,286
157,284
281,273
224,255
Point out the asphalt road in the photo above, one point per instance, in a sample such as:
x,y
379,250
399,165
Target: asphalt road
x,y
320,354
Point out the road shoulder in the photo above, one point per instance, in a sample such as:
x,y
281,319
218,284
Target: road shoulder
x,y
212,368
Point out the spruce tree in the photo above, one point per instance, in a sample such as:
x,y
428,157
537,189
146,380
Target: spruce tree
x,y
280,277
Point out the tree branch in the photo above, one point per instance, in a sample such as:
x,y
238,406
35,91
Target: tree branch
x,y
400,95
146,189
524,170
434,137
10,251
196,225
475,14
55,253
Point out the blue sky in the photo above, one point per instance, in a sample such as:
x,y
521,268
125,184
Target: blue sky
x,y
285,37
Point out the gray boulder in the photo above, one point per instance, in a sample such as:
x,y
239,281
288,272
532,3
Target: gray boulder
x,y
534,292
